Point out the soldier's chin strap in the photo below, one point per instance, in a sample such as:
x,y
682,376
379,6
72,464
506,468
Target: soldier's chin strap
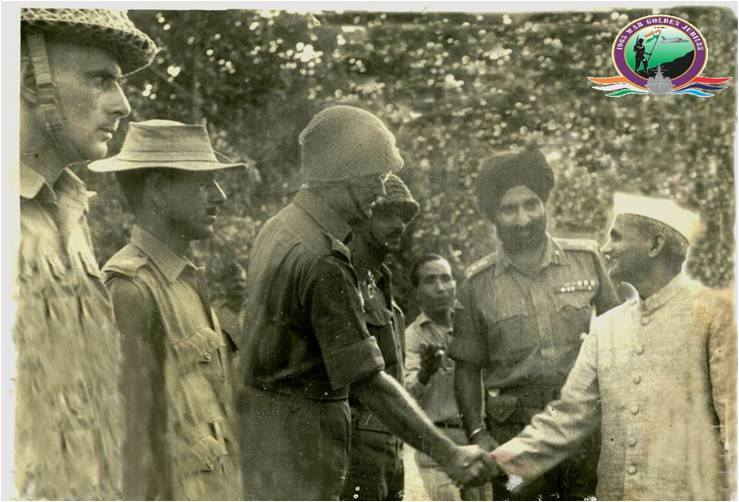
x,y
48,101
365,212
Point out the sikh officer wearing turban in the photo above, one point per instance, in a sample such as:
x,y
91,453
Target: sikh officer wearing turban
x,y
657,374
307,339
526,307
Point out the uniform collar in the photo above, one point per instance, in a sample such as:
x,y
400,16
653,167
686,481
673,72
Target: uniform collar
x,y
33,185
325,216
424,319
664,295
31,182
553,255
164,258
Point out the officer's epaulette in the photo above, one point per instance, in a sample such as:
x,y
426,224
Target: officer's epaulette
x,y
480,265
339,247
126,262
585,245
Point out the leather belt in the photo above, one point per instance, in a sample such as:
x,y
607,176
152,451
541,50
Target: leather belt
x,y
307,389
448,424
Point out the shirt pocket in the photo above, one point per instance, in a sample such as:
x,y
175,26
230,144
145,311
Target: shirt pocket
x,y
512,335
203,466
204,455
203,350
500,407
380,325
574,309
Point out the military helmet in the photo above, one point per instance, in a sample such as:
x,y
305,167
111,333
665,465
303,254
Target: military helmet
x,y
398,194
344,142
111,29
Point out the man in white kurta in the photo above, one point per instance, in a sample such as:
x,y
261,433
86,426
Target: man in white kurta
x,y
657,374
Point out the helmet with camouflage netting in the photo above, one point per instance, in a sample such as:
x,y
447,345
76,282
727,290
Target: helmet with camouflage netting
x,y
110,29
344,142
397,195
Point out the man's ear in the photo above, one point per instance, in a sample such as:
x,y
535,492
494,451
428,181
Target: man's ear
x,y
657,244
155,186
28,81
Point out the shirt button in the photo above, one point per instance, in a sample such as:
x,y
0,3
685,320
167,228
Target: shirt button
x,y
632,441
645,320
640,349
206,356
636,379
631,469
634,410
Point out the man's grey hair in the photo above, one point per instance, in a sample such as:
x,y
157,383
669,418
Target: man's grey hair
x,y
676,246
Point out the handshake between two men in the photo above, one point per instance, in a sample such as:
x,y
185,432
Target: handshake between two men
x,y
472,465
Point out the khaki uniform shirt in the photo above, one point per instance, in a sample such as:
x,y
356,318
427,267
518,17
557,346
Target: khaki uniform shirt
x,y
526,330
180,437
67,416
659,377
306,335
437,396
307,342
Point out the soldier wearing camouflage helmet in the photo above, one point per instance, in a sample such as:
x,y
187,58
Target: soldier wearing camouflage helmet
x,y
376,464
67,416
307,341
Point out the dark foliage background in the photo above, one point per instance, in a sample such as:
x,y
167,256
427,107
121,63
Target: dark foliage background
x,y
454,88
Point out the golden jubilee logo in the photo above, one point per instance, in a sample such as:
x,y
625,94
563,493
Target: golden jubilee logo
x,y
659,54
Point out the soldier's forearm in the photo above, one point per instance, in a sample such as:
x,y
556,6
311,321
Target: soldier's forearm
x,y
401,414
468,390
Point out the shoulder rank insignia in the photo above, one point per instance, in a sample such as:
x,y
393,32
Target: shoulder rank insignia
x,y
586,245
482,264
339,247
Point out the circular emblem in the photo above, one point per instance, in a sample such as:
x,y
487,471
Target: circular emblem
x,y
659,52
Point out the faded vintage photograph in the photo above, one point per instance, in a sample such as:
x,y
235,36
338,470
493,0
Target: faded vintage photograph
x,y
374,253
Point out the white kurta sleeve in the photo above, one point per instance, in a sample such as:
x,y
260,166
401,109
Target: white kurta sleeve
x,y
554,433
722,362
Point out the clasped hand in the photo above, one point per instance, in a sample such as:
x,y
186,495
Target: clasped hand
x,y
471,466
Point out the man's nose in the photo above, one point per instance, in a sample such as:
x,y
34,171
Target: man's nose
x,y
522,217
119,105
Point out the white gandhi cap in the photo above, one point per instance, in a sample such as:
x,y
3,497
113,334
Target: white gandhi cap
x,y
666,211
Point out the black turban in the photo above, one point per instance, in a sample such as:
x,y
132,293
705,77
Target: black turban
x,y
499,174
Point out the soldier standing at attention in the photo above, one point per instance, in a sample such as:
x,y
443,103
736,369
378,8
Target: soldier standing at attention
x,y
376,463
307,340
67,408
525,309
180,438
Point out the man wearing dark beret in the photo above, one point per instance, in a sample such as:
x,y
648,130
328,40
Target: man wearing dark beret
x,y
525,309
